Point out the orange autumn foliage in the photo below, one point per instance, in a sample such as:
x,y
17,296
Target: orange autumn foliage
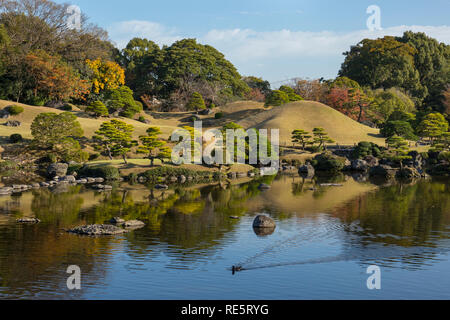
x,y
53,78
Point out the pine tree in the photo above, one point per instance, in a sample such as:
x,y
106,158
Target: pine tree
x,y
98,109
397,149
115,138
154,147
196,102
301,137
321,137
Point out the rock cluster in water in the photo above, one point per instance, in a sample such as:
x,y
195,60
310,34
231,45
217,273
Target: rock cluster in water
x,y
108,229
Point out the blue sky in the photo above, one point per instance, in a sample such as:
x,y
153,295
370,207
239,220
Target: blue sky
x,y
276,40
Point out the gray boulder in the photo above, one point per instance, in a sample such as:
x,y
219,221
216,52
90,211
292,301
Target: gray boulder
x,y
70,179
161,187
371,161
264,222
57,169
383,171
182,179
409,173
359,165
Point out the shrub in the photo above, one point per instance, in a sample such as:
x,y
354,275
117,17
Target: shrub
x,y
277,98
37,101
218,115
141,119
106,172
15,138
328,162
212,106
364,149
196,102
15,110
291,93
97,109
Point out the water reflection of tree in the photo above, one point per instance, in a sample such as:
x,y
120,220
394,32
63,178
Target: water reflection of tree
x,y
406,223
34,258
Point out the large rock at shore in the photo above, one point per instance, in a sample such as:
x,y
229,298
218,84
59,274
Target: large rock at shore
x,y
409,173
372,161
264,222
98,230
383,171
359,165
57,169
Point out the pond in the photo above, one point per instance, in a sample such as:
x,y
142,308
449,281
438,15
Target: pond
x,y
325,240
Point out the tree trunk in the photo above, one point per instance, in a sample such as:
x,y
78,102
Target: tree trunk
x,y
360,113
109,153
124,158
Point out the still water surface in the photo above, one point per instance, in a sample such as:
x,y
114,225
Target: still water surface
x,y
325,239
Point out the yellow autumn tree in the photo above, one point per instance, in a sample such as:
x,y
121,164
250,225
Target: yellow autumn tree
x,y
107,75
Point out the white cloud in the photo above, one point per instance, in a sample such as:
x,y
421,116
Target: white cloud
x,y
246,44
124,31
284,53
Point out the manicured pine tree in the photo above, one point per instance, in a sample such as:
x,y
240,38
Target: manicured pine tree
x,y
397,150
153,146
196,102
321,137
301,137
115,138
98,109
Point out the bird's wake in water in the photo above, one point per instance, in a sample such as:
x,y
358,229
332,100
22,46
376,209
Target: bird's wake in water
x,y
350,244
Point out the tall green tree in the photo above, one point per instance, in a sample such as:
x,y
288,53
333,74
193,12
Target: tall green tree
x,y
49,129
121,101
115,138
432,61
432,126
383,63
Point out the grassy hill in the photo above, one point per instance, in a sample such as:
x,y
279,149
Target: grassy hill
x,y
307,115
298,115
89,125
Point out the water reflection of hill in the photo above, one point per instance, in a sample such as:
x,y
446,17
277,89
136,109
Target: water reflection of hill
x,y
188,226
